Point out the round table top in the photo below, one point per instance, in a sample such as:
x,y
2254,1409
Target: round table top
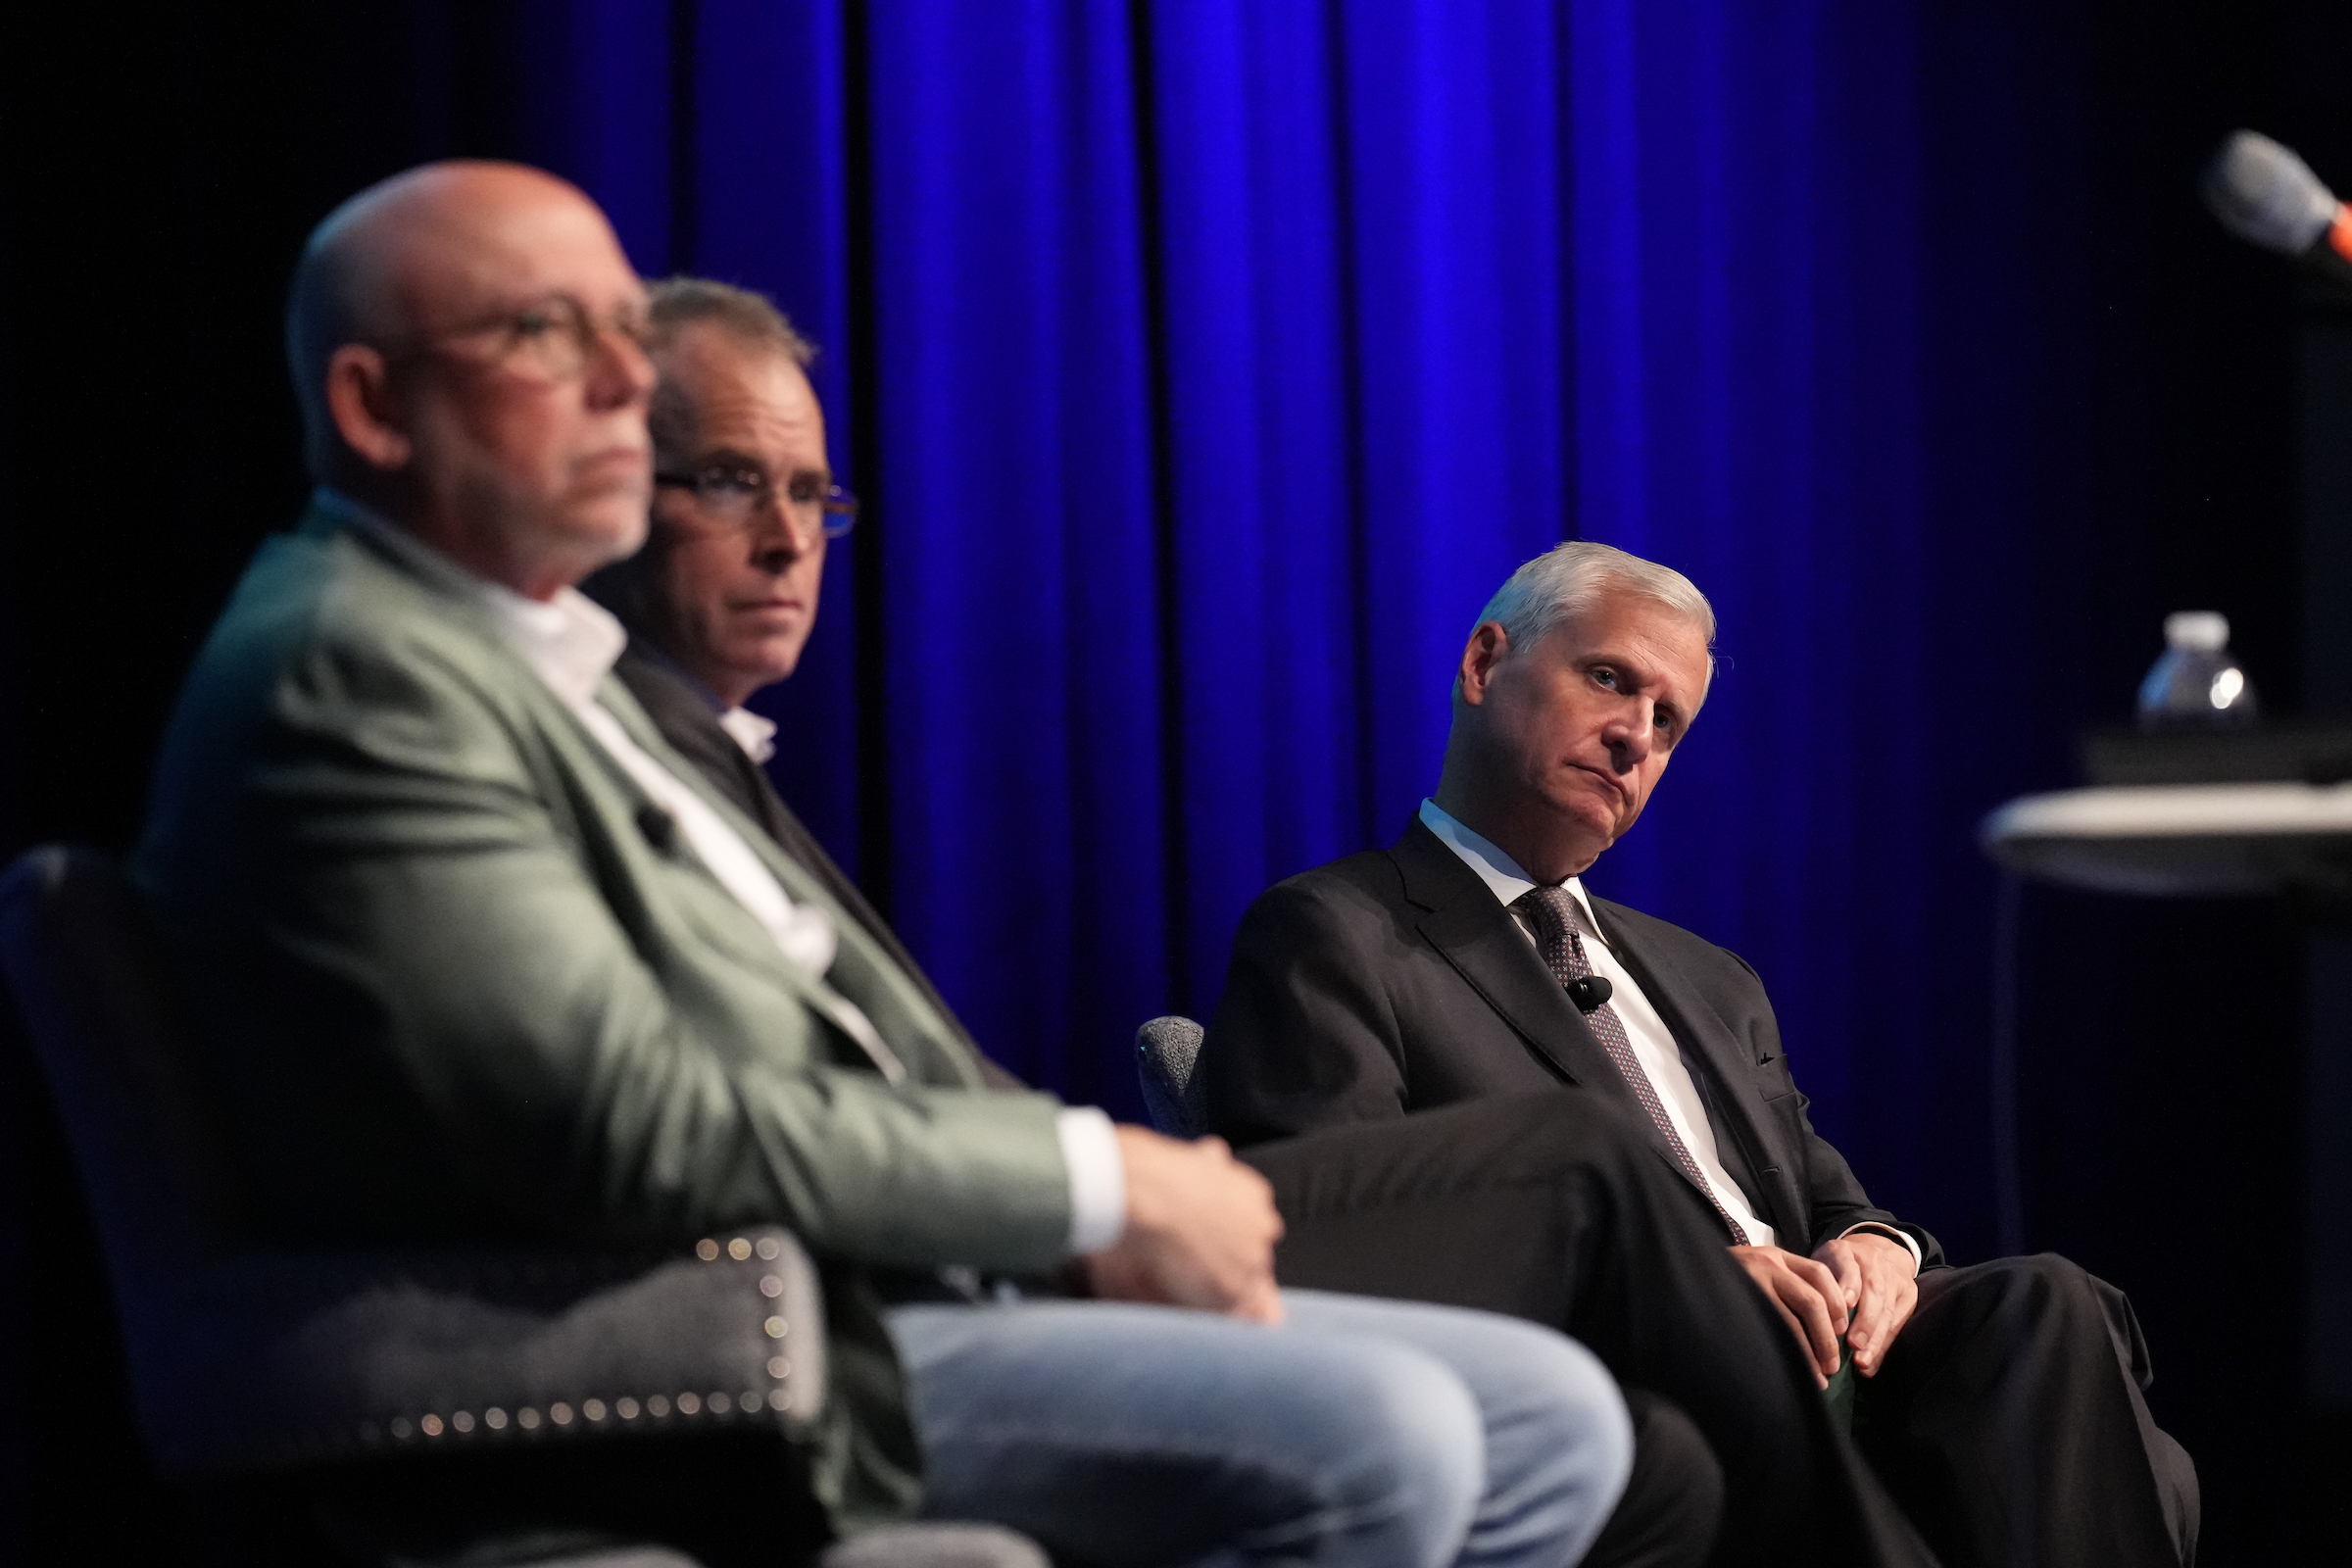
x,y
2180,839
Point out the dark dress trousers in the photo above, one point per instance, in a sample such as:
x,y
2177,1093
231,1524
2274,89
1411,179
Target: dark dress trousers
x,y
1389,997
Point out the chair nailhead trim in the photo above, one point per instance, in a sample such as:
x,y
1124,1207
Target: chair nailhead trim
x,y
686,1403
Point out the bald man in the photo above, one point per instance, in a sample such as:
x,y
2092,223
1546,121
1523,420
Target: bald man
x,y
473,954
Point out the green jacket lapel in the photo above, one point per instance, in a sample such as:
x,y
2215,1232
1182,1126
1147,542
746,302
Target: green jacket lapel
x,y
862,974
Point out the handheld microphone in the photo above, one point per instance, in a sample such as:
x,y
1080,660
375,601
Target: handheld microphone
x,y
1589,993
2266,196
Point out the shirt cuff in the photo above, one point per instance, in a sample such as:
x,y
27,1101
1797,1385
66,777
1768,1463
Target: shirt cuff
x,y
1918,1258
1098,1178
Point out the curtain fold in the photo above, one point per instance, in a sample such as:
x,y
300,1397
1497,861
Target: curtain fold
x,y
1209,364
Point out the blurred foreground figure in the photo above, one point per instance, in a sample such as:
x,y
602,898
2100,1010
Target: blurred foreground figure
x,y
473,952
1465,973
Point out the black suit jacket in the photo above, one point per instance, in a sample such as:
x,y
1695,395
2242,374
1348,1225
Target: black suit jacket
x,y
683,714
1394,981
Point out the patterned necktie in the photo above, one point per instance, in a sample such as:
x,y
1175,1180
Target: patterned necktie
x,y
1552,912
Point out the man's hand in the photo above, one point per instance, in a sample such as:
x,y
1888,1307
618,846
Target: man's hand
x,y
1808,1296
1201,1230
1875,1275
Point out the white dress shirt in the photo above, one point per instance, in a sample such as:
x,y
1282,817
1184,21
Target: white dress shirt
x,y
571,642
1653,1044
755,733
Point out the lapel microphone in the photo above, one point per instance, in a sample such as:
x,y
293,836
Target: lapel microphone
x,y
660,830
1588,992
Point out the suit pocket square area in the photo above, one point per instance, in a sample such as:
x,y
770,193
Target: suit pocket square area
x,y
1771,1078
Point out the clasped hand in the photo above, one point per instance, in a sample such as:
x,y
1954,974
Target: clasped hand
x,y
1859,1285
1201,1230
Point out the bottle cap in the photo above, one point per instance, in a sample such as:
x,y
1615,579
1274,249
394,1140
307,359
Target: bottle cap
x,y
2206,630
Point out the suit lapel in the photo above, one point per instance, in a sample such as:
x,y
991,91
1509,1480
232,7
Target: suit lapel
x,y
862,974
682,716
1734,1107
1478,937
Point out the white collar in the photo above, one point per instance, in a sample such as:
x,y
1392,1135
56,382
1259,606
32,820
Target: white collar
x,y
754,732
570,641
1502,875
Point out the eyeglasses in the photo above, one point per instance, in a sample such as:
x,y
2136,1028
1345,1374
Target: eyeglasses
x,y
554,337
732,496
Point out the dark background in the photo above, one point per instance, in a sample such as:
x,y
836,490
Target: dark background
x,y
2080,407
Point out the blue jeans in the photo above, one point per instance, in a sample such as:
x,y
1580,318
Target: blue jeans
x,y
1381,1433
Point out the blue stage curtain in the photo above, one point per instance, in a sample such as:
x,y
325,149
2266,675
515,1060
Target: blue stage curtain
x,y
1209,364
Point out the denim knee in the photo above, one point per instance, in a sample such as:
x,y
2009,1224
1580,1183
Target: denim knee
x,y
1559,1450
1573,1407
1395,1453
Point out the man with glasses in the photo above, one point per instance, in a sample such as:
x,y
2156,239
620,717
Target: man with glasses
x,y
723,598
725,594
471,952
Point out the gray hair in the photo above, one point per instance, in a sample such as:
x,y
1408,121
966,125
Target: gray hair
x,y
1568,580
675,304
629,588
750,319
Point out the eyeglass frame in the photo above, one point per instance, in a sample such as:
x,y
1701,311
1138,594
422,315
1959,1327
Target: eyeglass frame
x,y
585,333
837,507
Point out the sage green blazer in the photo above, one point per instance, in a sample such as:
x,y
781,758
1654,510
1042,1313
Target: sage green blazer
x,y
452,980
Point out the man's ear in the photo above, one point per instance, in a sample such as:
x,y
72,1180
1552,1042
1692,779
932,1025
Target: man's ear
x,y
1487,647
359,399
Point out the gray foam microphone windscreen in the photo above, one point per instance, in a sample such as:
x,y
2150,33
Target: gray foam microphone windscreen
x,y
2261,192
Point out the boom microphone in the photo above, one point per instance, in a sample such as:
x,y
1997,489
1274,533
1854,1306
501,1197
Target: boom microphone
x,y
2263,194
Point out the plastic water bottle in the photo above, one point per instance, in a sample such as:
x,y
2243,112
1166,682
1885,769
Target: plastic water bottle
x,y
2195,684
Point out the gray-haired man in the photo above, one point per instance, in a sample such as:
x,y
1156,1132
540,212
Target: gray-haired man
x,y
1464,979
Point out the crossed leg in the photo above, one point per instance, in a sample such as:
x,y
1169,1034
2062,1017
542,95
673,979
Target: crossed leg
x,y
1551,1207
